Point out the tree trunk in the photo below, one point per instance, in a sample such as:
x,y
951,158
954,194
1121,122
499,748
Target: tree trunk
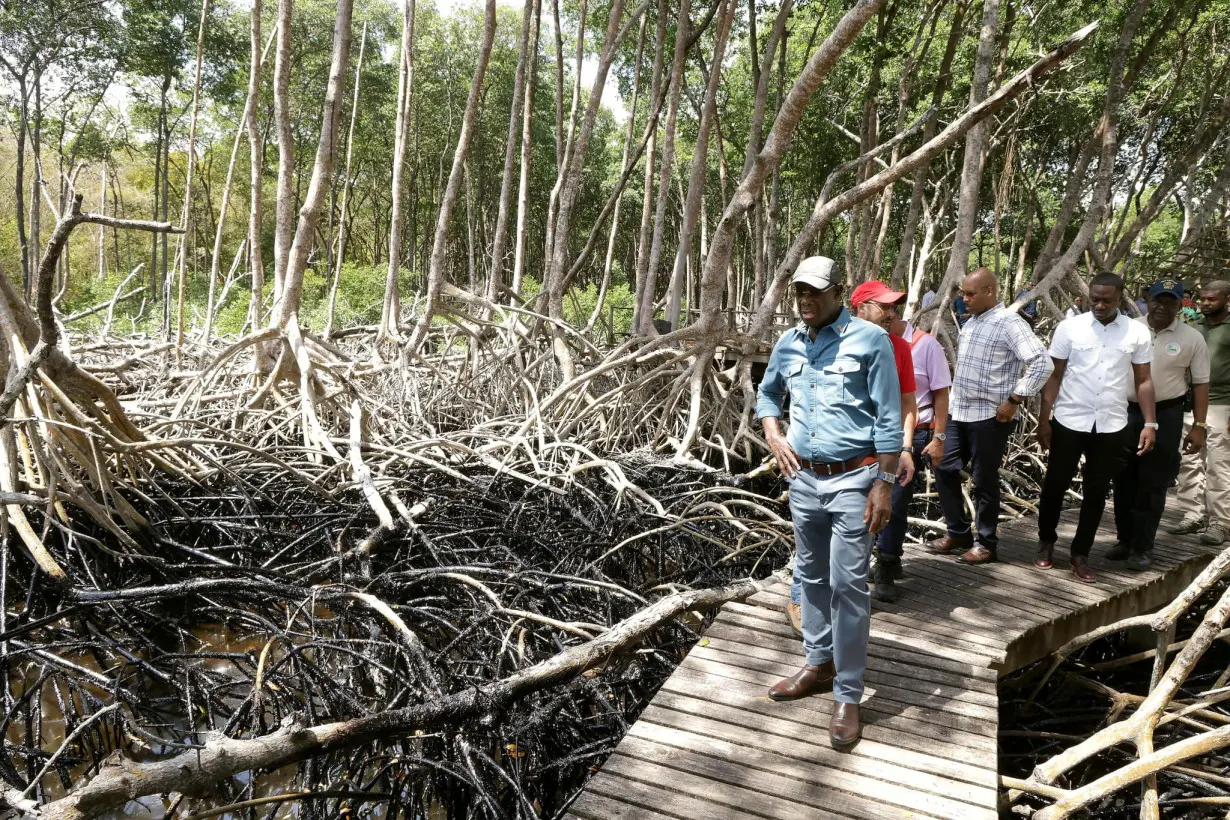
x,y
971,169
347,185
36,187
286,310
527,145
700,156
284,205
643,235
666,167
256,160
623,164
19,192
435,269
498,242
390,312
780,135
185,218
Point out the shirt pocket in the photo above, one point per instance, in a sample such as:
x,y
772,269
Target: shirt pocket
x,y
796,380
836,380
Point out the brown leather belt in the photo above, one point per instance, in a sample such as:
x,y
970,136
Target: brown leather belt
x,y
838,467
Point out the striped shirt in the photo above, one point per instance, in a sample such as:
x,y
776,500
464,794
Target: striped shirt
x,y
992,350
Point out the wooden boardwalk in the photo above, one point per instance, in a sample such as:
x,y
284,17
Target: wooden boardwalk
x,y
713,745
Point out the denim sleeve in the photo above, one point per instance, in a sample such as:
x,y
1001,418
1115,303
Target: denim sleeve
x,y
772,391
885,394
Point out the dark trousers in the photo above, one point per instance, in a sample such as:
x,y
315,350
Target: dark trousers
x,y
1104,456
891,538
981,445
1140,490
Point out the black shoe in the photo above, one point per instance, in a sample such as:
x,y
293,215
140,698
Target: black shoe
x,y
885,589
1139,561
1119,552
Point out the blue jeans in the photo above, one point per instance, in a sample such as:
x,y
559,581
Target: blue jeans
x,y
891,538
830,571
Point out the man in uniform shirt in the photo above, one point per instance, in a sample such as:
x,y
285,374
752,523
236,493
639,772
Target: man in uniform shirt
x,y
839,454
1204,478
1180,358
987,388
1097,356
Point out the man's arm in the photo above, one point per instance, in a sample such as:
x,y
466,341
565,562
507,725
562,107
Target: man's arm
x,y
769,399
1196,437
884,389
1143,374
939,405
909,420
1050,391
1030,351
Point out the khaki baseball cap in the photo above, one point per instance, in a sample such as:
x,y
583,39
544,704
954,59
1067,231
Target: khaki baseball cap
x,y
816,271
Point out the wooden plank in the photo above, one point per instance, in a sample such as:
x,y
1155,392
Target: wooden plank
x,y
592,805
874,677
953,714
809,766
772,652
724,799
882,744
783,630
793,796
615,784
815,750
974,748
890,652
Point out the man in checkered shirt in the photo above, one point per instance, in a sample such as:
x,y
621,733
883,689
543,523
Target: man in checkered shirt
x,y
988,386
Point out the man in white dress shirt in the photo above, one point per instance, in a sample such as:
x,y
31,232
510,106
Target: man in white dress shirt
x,y
1096,355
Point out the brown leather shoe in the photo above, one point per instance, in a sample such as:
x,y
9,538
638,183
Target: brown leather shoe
x,y
844,728
1045,558
977,554
807,681
1080,568
794,613
946,544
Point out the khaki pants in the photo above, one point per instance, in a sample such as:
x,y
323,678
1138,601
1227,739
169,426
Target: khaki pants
x,y
1204,479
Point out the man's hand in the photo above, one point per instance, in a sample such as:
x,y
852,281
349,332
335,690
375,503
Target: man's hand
x,y
1005,412
1148,436
879,507
787,459
1194,442
934,450
905,468
1044,434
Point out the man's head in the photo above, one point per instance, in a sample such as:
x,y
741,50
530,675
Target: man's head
x,y
1105,295
817,291
875,302
1213,298
1078,302
1165,298
980,289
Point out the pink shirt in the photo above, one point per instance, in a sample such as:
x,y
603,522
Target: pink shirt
x,y
930,370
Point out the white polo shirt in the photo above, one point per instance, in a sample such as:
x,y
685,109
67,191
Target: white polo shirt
x,y
1094,390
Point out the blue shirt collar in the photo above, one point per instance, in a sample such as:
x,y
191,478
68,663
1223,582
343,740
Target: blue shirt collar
x,y
838,325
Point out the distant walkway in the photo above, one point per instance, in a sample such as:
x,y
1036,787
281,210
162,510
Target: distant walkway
x,y
712,744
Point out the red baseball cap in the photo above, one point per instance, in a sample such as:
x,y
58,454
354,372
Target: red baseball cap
x,y
874,291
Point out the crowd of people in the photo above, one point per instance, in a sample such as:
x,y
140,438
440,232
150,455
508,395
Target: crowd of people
x,y
872,404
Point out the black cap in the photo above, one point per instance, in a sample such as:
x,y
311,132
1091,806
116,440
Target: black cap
x,y
1171,286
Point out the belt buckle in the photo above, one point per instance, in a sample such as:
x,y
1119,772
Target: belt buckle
x,y
828,469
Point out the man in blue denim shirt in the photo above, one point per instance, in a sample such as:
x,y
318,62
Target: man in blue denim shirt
x,y
839,454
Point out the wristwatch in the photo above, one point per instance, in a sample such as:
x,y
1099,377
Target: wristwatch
x,y
1014,400
1202,425
1151,425
940,436
886,476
